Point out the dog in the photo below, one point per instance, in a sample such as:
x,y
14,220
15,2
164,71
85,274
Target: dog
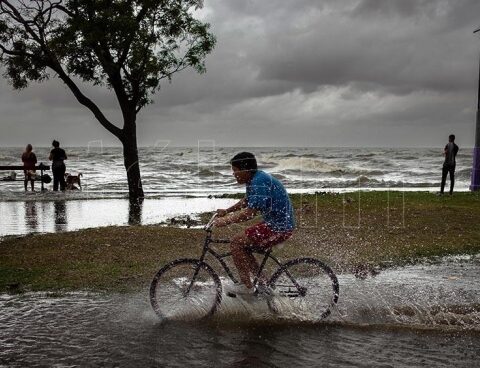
x,y
71,180
11,177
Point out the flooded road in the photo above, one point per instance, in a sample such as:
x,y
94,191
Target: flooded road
x,y
415,316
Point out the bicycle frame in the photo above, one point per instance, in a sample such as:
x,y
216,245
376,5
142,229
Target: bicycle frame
x,y
207,249
220,256
288,287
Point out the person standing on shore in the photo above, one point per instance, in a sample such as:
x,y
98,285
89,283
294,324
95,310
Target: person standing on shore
x,y
58,156
450,152
29,160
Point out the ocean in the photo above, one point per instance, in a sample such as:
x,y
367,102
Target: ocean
x,y
205,170
186,181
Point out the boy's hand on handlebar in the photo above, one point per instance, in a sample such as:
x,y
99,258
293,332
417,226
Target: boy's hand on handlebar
x,y
219,222
221,213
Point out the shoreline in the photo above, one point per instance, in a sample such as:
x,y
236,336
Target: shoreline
x,y
50,196
393,229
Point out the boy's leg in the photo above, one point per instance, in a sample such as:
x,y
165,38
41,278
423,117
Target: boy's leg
x,y
253,265
242,258
259,235
255,268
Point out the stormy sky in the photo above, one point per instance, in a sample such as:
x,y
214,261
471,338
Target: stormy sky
x,y
358,73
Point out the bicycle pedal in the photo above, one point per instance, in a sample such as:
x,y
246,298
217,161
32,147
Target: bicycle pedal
x,y
290,294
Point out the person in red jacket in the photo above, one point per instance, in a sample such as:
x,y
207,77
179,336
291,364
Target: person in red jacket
x,y
29,160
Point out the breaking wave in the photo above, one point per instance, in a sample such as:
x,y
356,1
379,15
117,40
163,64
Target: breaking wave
x,y
305,164
173,169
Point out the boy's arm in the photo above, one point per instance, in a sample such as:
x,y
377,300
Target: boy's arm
x,y
239,216
236,207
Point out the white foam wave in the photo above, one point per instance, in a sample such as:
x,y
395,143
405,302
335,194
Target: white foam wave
x,y
306,164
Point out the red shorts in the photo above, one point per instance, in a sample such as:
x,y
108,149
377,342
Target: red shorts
x,y
262,235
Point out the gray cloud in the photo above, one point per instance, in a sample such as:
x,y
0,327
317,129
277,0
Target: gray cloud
x,y
353,72
401,9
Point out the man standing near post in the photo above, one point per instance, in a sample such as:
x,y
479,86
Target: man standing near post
x,y
450,152
58,156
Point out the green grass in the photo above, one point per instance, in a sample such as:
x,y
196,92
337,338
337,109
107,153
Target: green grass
x,y
345,230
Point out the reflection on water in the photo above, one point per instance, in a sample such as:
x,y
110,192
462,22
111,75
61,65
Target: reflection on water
x,y
31,216
60,214
135,211
17,218
95,330
85,329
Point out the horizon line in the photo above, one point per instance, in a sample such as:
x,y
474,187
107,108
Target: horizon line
x,y
235,146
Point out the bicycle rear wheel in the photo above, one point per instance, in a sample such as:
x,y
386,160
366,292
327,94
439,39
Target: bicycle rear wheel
x,y
304,286
185,289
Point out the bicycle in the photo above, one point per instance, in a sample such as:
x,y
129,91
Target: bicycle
x,y
193,282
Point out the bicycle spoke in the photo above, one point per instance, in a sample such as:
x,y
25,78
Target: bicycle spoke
x,y
175,294
306,287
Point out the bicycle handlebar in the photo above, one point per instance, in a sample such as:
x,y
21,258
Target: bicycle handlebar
x,y
209,225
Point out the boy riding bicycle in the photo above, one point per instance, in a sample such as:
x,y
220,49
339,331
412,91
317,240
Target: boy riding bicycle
x,y
265,195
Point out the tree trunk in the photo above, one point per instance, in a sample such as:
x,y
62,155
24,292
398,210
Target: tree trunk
x,y
130,156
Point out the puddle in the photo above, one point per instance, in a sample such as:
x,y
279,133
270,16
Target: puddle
x,y
19,218
423,315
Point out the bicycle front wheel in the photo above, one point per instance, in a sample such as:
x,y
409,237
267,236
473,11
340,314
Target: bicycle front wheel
x,y
185,289
306,287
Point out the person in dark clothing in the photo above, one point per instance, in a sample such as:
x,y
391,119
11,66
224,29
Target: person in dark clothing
x,y
29,160
58,156
450,152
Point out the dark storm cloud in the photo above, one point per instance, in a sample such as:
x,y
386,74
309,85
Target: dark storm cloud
x,y
353,72
382,46
392,47
403,9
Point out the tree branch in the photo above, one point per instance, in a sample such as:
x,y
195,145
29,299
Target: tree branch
x,y
85,101
59,6
115,78
14,53
15,14
54,64
123,57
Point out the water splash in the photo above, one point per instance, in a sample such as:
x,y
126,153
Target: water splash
x,y
443,295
